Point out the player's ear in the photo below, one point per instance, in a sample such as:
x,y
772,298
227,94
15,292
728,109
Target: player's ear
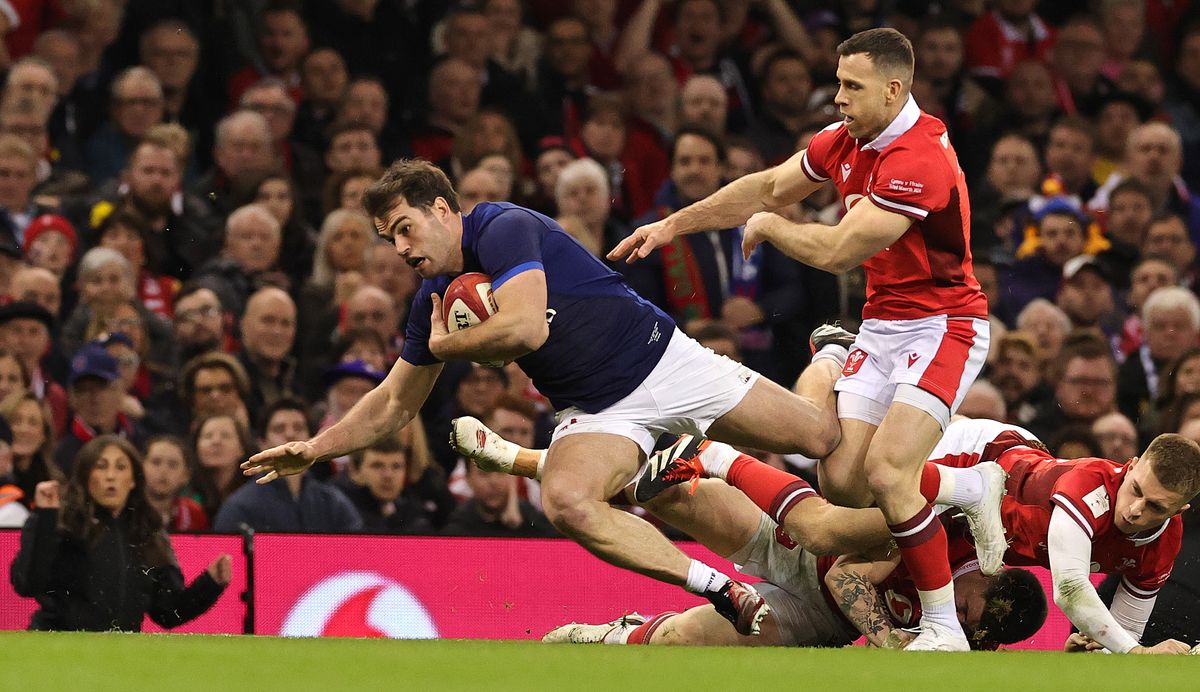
x,y
441,207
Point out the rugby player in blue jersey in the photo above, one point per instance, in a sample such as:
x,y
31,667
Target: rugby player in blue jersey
x,y
617,370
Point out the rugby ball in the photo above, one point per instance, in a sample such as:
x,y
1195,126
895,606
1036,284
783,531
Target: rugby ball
x,y
468,301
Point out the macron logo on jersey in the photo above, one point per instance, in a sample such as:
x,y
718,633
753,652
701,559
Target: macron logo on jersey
x,y
1097,501
845,171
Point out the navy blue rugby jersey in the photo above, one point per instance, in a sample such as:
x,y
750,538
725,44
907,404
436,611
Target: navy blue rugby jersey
x,y
604,338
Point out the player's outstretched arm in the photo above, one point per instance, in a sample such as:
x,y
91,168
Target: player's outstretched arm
x,y
730,206
1070,552
864,231
852,580
381,412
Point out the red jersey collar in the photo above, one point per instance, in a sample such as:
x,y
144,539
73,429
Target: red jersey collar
x,y
1149,535
904,121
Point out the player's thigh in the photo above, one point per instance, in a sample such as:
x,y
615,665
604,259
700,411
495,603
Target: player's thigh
x,y
718,515
774,419
704,626
841,474
905,438
588,466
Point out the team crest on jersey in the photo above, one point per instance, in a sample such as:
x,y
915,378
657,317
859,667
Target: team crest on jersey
x,y
854,361
1097,501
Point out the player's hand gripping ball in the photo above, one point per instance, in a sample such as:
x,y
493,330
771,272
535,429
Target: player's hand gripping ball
x,y
468,301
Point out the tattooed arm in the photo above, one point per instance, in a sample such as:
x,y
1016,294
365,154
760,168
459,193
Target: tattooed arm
x,y
852,581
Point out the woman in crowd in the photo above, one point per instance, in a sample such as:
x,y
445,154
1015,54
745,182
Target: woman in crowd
x,y
219,443
14,380
343,247
32,445
96,558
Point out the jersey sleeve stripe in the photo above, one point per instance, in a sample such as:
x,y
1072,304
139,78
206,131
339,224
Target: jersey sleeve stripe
x,y
906,209
808,169
1061,500
519,269
1138,592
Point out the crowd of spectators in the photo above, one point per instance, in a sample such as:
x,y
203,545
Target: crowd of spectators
x,y
185,262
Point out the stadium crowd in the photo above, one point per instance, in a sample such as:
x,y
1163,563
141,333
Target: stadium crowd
x,y
185,261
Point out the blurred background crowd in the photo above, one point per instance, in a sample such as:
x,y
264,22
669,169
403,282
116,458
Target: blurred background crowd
x,y
184,260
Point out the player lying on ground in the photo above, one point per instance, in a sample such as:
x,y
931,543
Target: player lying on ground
x,y
1073,516
616,368
804,584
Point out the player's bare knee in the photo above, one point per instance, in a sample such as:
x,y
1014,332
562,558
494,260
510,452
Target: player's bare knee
x,y
844,490
884,476
570,511
809,529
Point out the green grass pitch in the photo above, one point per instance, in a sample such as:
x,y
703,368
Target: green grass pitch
x,y
86,662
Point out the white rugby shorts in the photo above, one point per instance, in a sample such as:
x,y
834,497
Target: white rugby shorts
x,y
689,389
929,363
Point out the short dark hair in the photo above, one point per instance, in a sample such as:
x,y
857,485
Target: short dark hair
x,y
1086,346
1128,186
1175,461
287,403
1078,433
417,181
938,22
887,48
702,133
1077,123
213,360
777,57
1015,609
388,445
126,216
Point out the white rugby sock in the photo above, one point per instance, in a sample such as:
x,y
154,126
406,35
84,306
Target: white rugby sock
x,y
959,487
717,457
835,352
702,578
938,606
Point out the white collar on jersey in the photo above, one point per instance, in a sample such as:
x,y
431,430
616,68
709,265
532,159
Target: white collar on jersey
x,y
903,123
1141,538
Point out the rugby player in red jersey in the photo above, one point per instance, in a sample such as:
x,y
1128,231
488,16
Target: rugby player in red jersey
x,y
1073,516
925,332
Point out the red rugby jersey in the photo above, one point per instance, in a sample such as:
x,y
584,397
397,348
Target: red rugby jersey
x,y
909,169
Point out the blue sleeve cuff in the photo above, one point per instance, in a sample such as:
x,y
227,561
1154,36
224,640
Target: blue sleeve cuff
x,y
499,281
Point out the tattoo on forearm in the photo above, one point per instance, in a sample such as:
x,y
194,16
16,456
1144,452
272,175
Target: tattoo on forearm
x,y
859,600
